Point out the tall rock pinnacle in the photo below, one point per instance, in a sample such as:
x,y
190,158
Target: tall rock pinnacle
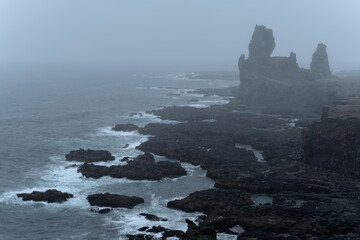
x,y
320,63
262,43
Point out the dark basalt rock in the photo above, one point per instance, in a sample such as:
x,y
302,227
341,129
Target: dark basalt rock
x,y
50,196
156,229
101,211
307,202
194,232
172,233
334,142
166,233
140,237
145,158
143,229
72,166
125,127
135,170
89,155
152,217
125,159
113,200
320,63
210,200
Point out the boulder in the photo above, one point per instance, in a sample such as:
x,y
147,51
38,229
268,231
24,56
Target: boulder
x,y
129,127
50,196
101,211
89,155
113,200
152,217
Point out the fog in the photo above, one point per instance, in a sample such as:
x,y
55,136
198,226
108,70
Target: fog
x,y
173,35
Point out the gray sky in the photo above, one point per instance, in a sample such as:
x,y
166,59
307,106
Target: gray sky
x,y
176,35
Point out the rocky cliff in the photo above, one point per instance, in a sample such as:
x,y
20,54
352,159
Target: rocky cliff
x,y
267,80
334,142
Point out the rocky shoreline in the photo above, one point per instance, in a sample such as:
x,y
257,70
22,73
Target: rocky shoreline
x,y
274,145
307,202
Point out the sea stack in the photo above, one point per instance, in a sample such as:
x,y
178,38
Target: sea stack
x,y
320,62
262,44
278,83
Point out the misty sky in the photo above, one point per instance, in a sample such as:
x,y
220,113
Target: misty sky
x,y
175,35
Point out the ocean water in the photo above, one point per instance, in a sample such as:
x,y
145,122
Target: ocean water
x,y
45,113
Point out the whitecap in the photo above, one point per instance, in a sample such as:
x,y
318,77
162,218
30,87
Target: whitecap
x,y
107,131
225,236
151,118
261,199
129,220
209,120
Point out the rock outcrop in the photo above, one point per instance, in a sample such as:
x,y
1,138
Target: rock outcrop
x,y
334,142
301,202
89,155
195,232
142,168
152,217
279,82
210,200
165,232
113,200
320,63
146,157
129,127
49,196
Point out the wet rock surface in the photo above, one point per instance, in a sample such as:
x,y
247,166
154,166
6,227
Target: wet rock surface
x,y
209,200
49,196
142,168
89,155
152,217
101,211
129,127
308,203
145,158
195,232
113,200
165,232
